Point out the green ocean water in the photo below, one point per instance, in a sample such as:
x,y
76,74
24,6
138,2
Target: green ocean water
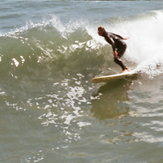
x,y
50,111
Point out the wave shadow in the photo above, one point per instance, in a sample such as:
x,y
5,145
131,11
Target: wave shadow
x,y
111,99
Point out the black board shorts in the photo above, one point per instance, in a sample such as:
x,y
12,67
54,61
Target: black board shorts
x,y
121,50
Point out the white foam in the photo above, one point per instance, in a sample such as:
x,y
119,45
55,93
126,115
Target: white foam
x,y
145,43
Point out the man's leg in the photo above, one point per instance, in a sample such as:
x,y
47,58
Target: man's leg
x,y
118,61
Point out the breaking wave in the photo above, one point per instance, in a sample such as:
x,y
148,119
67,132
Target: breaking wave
x,y
51,47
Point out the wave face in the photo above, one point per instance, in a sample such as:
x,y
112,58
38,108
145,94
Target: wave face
x,y
40,48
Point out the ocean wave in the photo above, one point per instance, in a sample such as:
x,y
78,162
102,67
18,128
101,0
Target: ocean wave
x,y
51,46
76,47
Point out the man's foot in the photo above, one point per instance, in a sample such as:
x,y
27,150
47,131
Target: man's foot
x,y
125,70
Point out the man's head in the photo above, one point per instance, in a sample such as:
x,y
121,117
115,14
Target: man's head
x,y
101,31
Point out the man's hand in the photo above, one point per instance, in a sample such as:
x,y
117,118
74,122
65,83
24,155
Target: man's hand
x,y
126,38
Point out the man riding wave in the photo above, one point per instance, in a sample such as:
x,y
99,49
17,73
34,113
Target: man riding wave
x,y
118,46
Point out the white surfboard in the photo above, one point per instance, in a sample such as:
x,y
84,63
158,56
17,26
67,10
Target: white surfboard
x,y
107,78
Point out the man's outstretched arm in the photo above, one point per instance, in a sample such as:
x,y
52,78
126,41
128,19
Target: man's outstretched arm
x,y
120,36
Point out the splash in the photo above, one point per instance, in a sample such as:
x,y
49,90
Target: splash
x,y
145,43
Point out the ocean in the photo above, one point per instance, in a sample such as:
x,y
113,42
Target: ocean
x,y
50,111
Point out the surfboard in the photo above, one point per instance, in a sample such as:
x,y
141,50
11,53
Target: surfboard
x,y
107,78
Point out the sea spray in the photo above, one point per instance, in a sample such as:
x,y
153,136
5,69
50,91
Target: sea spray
x,y
145,44
145,41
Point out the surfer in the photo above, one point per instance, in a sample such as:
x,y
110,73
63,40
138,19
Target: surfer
x,y
118,46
